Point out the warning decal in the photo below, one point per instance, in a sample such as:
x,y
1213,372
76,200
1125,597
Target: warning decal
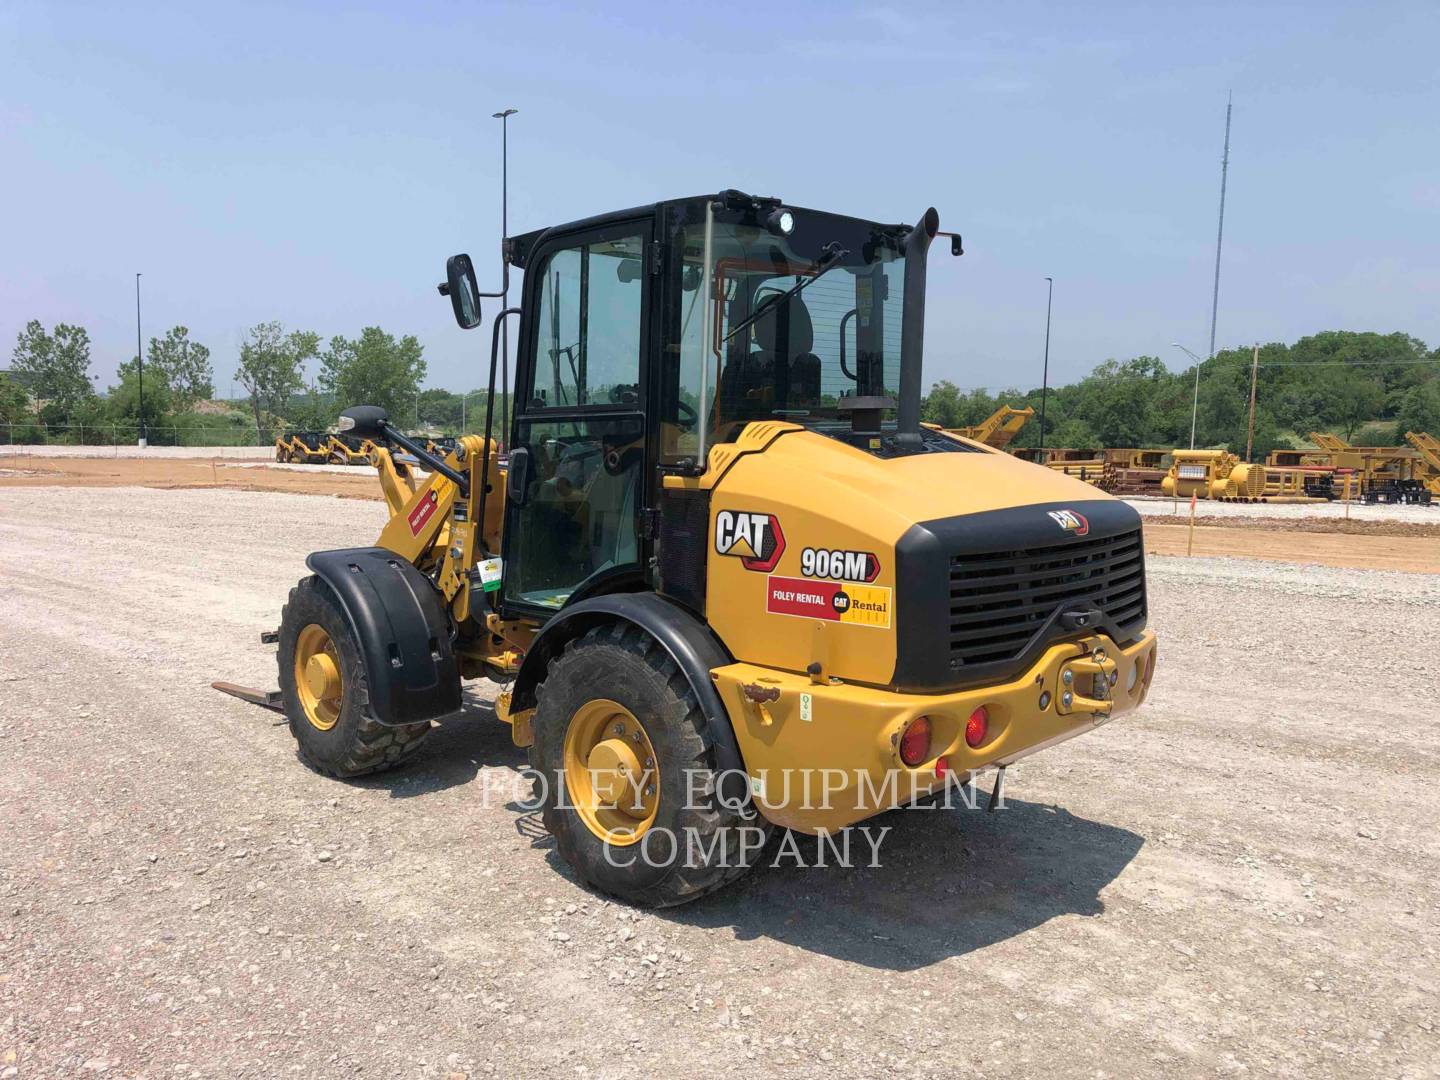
x,y
422,513
862,605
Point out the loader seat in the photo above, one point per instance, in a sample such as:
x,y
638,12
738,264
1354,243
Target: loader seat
x,y
783,373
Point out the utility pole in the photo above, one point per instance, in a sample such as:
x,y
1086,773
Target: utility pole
x,y
140,361
1220,231
1254,370
1045,375
504,117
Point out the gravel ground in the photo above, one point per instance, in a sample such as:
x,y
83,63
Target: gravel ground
x,y
1240,879
1162,508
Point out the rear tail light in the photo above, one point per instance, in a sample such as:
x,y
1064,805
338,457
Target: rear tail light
x,y
915,743
977,727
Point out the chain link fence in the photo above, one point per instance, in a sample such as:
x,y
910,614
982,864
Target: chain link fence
x,y
38,433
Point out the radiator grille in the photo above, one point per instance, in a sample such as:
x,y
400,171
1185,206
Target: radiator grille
x,y
999,600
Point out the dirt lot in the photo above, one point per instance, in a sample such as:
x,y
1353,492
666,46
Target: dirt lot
x,y
1240,879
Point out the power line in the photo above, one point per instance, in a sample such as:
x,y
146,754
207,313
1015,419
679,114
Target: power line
x,y
1348,363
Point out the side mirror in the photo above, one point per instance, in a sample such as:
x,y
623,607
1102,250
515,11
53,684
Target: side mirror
x,y
463,291
364,421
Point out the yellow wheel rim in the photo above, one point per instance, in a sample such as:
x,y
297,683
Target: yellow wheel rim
x,y
611,772
317,677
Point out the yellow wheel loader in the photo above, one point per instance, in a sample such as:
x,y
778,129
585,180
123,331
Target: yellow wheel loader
x,y
729,579
303,447
349,450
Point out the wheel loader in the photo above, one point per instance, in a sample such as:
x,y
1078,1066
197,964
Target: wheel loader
x,y
349,450
303,447
729,581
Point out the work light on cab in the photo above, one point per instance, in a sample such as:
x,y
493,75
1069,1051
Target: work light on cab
x,y
915,743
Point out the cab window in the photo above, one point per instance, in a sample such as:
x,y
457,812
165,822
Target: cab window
x,y
588,323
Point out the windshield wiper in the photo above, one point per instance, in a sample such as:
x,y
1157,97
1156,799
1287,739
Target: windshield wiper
x,y
830,255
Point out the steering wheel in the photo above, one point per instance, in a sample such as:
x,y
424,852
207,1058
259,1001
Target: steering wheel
x,y
686,416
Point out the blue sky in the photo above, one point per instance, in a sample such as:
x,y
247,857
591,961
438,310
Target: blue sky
x,y
315,163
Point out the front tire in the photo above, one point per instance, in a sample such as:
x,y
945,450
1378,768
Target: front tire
x,y
626,780
326,695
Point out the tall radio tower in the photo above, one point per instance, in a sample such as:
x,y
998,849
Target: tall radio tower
x,y
1220,232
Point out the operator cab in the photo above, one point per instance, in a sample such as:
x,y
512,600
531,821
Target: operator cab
x,y
648,336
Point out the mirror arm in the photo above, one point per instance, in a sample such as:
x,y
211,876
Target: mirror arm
x,y
504,279
490,413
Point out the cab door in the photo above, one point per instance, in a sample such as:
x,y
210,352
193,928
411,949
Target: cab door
x,y
574,494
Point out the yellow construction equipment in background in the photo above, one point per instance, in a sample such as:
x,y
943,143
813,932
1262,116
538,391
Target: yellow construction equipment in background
x,y
348,450
303,447
1428,447
1213,474
998,428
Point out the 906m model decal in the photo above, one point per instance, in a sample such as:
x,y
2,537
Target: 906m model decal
x,y
839,563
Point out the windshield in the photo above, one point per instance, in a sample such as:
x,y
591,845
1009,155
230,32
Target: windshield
x,y
775,352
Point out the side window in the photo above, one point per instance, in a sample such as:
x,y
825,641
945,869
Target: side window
x,y
589,321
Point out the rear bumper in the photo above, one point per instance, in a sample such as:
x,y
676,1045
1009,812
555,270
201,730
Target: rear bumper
x,y
823,756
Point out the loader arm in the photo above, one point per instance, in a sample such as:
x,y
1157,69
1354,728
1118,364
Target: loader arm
x,y
432,524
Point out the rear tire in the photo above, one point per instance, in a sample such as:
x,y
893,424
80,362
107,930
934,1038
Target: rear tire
x,y
689,844
335,733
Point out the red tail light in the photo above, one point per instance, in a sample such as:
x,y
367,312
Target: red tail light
x,y
977,727
915,743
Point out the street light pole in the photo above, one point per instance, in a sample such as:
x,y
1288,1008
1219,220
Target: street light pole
x,y
1195,405
1045,375
140,360
504,117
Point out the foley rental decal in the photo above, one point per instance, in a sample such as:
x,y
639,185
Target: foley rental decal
x,y
421,514
834,601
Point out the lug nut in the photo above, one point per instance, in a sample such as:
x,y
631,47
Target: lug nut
x,y
619,729
650,790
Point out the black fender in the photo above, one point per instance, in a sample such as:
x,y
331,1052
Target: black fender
x,y
690,643
401,623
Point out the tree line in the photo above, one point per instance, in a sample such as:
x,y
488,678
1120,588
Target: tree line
x,y
50,385
1370,388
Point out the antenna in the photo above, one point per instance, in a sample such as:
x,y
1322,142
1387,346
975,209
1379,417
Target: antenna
x,y
1220,232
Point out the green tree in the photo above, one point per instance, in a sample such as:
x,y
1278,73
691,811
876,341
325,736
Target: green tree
x,y
1119,399
124,405
374,369
312,411
54,367
1419,411
1076,434
184,365
14,402
1351,398
441,408
270,368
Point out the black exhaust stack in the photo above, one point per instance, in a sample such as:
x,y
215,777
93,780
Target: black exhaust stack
x,y
912,327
